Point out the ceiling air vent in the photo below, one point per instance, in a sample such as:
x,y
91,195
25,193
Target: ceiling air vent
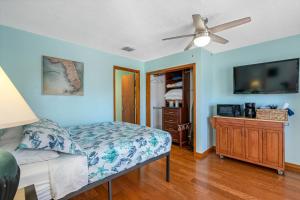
x,y
128,49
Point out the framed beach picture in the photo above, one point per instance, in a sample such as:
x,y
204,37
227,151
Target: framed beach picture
x,y
62,77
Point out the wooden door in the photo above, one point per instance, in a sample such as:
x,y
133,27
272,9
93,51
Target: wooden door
x,y
128,98
253,142
272,147
237,141
223,140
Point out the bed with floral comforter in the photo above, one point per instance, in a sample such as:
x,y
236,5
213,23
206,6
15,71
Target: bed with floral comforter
x,y
112,147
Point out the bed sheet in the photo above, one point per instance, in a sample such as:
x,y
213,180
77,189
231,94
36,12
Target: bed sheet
x,y
55,178
112,147
36,174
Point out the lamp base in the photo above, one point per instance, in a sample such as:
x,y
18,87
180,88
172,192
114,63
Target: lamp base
x,y
9,176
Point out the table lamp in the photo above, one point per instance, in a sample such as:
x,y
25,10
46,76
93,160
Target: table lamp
x,y
14,111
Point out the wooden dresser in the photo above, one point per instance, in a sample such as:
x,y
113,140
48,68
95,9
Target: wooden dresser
x,y
256,141
172,117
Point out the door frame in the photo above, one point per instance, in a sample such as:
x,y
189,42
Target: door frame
x,y
148,93
137,91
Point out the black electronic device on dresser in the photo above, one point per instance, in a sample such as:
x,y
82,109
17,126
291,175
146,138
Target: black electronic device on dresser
x,y
229,110
250,110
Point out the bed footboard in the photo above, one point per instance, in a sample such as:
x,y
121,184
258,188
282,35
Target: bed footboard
x,y
110,178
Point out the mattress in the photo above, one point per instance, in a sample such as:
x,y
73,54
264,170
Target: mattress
x,y
112,147
55,178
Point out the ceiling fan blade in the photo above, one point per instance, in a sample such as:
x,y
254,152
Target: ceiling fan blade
x,y
218,39
181,36
190,45
229,25
198,23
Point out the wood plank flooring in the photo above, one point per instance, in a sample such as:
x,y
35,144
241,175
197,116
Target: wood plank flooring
x,y
209,178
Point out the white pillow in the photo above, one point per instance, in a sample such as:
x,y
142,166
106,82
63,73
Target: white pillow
x,y
32,156
10,144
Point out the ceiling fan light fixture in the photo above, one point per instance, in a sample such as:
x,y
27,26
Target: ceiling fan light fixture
x,y
203,34
202,40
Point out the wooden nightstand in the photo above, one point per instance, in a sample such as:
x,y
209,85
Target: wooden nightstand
x,y
27,193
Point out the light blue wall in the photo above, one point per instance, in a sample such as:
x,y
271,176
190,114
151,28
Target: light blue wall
x,y
202,59
269,51
21,57
215,85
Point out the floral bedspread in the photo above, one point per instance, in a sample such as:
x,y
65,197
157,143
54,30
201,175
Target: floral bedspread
x,y
112,147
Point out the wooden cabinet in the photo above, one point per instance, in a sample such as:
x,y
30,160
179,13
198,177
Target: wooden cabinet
x,y
172,117
253,144
231,138
272,147
252,140
237,139
223,140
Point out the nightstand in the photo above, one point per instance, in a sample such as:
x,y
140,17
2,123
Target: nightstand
x,y
27,193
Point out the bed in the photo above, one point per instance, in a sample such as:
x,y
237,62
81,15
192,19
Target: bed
x,y
111,149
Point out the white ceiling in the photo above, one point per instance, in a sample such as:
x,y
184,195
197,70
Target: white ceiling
x,y
109,25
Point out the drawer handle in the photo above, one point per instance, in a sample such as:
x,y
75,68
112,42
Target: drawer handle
x,y
170,113
170,121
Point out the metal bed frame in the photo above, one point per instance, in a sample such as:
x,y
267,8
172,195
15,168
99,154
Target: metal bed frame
x,y
112,177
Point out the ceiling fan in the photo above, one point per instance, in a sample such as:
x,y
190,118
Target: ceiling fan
x,y
203,35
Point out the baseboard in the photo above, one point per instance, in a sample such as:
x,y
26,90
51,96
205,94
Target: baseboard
x,y
292,167
205,153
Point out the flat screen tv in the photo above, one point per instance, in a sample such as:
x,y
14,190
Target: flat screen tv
x,y
267,78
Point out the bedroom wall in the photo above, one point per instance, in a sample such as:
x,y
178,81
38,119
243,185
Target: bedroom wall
x,y
21,58
202,58
215,85
222,80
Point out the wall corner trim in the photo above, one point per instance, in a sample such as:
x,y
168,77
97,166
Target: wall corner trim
x,y
292,167
199,156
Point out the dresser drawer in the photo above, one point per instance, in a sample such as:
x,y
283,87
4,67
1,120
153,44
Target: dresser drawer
x,y
173,125
170,129
170,119
175,136
231,121
263,124
171,111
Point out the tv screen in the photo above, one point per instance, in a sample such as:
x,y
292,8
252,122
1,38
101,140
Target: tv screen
x,y
267,78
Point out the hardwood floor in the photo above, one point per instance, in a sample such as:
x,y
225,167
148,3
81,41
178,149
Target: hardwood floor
x,y
209,178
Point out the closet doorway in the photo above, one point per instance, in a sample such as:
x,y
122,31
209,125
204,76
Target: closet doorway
x,y
126,83
171,103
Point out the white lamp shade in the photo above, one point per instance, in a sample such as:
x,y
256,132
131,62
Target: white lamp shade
x,y
14,111
202,41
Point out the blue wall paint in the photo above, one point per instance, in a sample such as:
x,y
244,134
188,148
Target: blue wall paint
x,y
215,85
269,51
202,59
21,57
21,52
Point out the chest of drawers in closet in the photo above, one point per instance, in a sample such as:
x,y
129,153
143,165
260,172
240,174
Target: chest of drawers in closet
x,y
172,117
